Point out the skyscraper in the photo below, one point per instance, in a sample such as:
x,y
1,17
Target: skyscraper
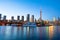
x,y
18,17
28,17
12,18
32,18
35,20
54,19
22,18
4,17
0,16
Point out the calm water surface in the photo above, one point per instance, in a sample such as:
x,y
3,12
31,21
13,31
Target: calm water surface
x,y
29,33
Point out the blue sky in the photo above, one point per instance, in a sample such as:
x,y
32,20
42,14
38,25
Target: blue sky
x,y
50,8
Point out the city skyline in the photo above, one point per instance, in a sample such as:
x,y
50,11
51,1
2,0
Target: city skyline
x,y
14,8
29,18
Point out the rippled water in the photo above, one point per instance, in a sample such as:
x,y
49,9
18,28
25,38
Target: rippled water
x,y
29,33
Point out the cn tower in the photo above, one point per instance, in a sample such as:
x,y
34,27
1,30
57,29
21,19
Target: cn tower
x,y
40,15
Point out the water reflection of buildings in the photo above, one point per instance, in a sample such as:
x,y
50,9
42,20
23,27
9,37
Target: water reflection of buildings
x,y
51,31
9,32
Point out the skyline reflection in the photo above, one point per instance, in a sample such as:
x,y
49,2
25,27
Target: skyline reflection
x,y
51,31
29,33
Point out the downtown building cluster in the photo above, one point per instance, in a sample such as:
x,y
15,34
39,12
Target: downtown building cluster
x,y
28,19
5,21
20,22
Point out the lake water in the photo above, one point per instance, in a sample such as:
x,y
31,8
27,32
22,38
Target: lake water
x,y
29,33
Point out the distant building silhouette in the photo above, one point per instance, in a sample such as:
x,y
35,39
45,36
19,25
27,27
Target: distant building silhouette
x,y
32,18
4,17
18,17
22,18
35,20
0,16
28,17
12,18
